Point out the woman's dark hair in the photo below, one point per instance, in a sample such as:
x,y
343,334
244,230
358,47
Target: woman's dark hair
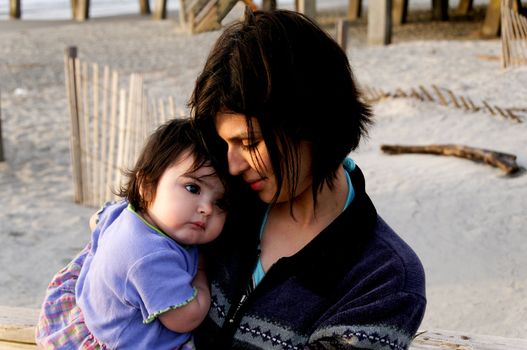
x,y
294,79
164,147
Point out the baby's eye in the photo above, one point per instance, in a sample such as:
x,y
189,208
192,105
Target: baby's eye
x,y
193,188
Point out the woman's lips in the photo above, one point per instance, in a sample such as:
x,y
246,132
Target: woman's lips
x,y
257,185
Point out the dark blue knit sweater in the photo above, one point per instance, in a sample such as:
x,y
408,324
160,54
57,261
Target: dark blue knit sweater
x,y
357,285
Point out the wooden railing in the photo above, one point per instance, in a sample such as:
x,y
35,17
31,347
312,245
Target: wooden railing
x,y
17,331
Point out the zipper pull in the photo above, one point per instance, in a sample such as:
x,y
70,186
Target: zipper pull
x,y
240,303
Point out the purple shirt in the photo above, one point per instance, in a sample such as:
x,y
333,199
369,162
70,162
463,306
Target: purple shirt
x,y
132,274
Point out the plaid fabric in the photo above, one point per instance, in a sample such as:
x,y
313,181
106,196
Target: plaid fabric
x,y
61,322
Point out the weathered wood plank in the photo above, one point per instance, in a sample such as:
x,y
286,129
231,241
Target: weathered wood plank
x,y
440,339
4,345
17,329
17,324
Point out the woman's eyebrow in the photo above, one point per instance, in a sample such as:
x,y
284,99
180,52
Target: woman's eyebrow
x,y
242,135
245,135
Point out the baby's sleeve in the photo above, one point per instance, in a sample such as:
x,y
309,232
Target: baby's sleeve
x,y
160,282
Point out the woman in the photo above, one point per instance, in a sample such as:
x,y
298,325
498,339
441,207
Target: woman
x,y
304,260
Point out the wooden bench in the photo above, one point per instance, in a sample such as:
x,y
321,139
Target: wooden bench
x,y
17,332
17,328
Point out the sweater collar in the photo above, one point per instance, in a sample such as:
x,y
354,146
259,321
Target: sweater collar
x,y
324,260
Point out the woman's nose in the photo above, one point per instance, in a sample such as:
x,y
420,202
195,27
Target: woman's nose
x,y
237,163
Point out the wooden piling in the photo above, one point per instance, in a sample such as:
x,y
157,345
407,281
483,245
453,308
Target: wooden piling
x,y
464,7
354,9
160,9
73,4
399,11
82,12
491,24
144,7
380,22
15,10
440,10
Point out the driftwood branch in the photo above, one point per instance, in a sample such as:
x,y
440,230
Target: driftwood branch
x,y
503,161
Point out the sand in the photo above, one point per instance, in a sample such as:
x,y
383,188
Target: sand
x,y
465,220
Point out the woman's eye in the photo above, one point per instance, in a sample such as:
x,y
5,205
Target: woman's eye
x,y
250,146
221,203
192,188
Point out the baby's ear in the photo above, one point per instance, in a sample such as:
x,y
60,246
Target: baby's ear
x,y
145,192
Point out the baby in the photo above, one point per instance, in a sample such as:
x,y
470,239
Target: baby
x,y
141,286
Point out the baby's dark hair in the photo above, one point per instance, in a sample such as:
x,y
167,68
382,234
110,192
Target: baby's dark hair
x,y
168,142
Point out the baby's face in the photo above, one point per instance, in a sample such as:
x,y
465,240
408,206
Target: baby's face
x,y
188,206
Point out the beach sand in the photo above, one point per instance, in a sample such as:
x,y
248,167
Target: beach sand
x,y
465,220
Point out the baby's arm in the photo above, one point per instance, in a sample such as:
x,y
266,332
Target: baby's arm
x,y
188,317
93,221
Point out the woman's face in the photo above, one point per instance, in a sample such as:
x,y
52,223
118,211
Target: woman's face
x,y
251,160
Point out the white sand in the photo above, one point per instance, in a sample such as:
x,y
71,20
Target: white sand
x,y
465,220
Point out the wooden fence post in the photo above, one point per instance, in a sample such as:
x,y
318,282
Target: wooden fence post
x,y
70,56
379,22
342,33
1,140
14,9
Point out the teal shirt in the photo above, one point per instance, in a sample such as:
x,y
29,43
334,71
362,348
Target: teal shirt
x,y
259,272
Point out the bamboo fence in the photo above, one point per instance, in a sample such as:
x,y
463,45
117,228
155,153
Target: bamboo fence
x,y
513,35
446,97
109,123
